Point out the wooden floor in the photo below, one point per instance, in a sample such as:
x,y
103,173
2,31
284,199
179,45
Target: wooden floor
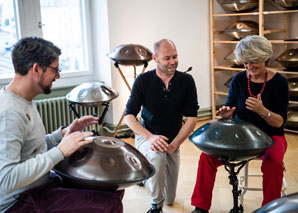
x,y
137,199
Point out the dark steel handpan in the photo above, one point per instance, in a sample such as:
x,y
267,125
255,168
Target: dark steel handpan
x,y
240,29
293,88
240,5
232,60
292,118
131,54
286,204
105,164
91,94
289,59
231,139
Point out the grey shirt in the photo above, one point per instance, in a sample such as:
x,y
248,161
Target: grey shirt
x,y
26,154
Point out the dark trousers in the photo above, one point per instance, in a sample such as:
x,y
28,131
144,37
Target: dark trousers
x,y
51,197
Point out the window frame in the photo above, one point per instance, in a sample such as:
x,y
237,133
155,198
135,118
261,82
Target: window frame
x,y
28,22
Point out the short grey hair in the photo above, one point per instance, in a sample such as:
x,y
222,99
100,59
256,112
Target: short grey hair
x,y
253,49
157,44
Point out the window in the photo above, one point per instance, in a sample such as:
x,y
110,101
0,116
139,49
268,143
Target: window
x,y
61,21
8,36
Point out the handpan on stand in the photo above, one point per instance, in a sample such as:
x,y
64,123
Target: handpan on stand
x,y
129,55
234,142
92,94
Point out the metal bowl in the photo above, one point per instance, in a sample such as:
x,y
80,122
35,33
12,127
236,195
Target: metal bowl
x,y
240,29
231,59
293,88
130,54
106,164
91,94
240,5
286,204
289,59
287,4
231,139
292,118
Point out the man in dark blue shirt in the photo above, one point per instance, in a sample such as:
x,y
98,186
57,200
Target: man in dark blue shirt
x,y
165,95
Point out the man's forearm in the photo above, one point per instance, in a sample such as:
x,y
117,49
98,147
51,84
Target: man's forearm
x,y
136,126
184,132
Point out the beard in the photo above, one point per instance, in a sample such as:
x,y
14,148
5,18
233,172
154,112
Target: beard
x,y
46,89
168,70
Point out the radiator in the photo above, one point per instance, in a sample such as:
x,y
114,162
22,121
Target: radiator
x,y
55,112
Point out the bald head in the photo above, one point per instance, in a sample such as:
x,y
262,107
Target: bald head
x,y
158,44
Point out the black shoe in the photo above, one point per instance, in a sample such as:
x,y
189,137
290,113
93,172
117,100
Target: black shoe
x,y
199,210
154,209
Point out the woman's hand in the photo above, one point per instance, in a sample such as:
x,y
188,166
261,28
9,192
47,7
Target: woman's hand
x,y
226,111
255,105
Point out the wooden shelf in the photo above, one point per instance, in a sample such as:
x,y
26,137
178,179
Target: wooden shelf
x,y
227,68
220,68
291,130
272,41
256,13
281,29
221,93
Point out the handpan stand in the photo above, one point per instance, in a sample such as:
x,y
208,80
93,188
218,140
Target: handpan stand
x,y
234,142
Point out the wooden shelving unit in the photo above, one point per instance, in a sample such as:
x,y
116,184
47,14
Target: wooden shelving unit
x,y
216,41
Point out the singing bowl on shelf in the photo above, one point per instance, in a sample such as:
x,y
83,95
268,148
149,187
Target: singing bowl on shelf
x,y
286,204
91,94
240,5
130,54
287,4
231,139
105,164
289,59
241,29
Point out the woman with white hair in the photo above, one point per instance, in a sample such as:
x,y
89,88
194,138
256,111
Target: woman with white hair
x,y
260,96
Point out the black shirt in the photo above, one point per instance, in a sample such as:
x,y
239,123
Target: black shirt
x,y
275,98
163,110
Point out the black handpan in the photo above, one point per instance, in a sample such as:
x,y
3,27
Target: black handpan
x,y
286,204
231,139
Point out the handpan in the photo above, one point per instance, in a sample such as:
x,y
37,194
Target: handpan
x,y
130,54
105,164
286,204
240,5
240,29
231,139
289,59
91,94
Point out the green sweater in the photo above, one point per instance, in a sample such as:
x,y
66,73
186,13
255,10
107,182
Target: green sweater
x,y
26,154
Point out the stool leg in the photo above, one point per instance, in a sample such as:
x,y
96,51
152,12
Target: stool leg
x,y
243,178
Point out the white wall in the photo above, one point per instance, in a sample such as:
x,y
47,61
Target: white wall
x,y
144,22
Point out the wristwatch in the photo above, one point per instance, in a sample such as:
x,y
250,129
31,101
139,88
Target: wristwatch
x,y
268,114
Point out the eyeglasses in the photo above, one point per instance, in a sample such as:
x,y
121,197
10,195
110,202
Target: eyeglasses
x,y
57,69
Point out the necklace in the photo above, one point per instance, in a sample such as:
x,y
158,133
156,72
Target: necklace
x,y
262,90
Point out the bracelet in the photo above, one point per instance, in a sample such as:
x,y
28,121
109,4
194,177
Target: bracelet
x,y
268,114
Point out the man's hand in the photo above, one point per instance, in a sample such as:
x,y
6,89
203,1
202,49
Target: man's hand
x,y
171,148
158,143
80,124
71,142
